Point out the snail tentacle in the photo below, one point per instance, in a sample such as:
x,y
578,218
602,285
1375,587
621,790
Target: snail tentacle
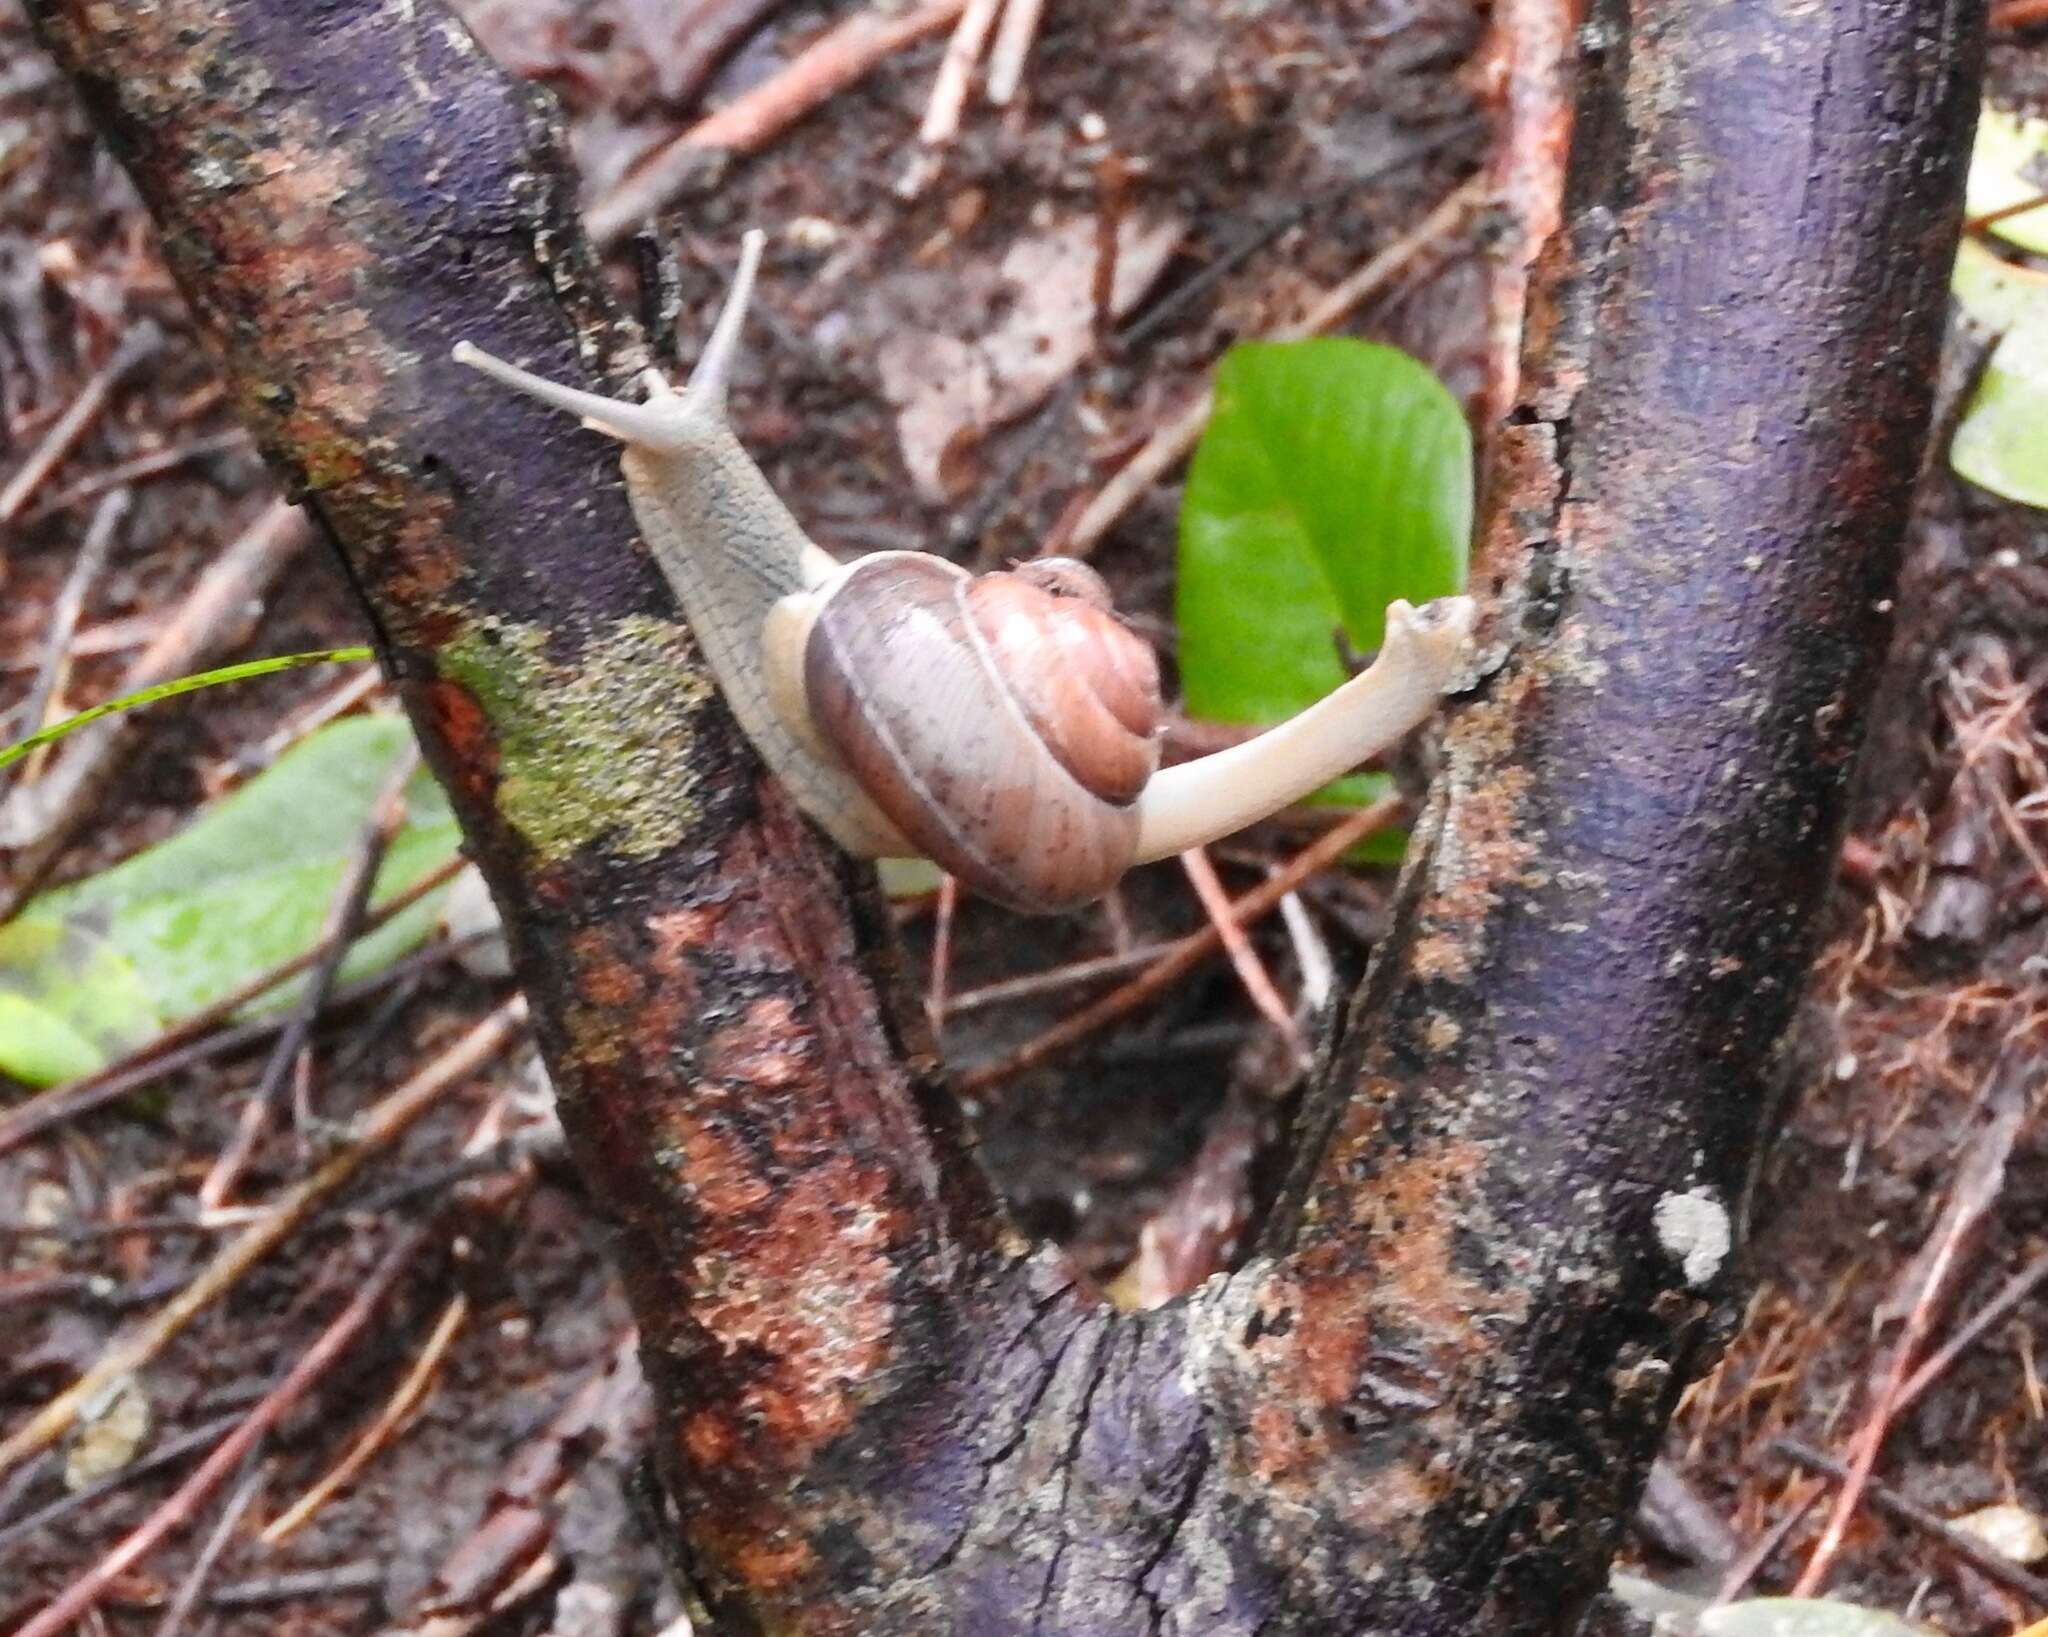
x,y
670,422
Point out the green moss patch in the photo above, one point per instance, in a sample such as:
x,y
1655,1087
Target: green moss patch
x,y
596,753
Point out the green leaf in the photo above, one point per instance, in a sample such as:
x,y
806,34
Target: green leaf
x,y
1335,475
69,1002
91,970
2001,443
909,877
1993,292
1803,1617
2009,166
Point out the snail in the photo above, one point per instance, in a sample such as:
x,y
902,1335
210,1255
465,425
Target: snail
x,y
1005,725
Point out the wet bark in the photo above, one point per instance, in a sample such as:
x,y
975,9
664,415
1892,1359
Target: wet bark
x,y
1426,1406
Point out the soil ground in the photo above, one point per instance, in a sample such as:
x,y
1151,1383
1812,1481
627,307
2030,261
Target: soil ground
x,y
1338,126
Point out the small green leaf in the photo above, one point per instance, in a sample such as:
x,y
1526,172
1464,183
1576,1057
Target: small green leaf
x,y
1803,1617
91,970
1335,475
909,877
2009,166
2001,443
1993,292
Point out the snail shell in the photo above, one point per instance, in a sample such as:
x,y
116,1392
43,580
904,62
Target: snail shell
x,y
1005,723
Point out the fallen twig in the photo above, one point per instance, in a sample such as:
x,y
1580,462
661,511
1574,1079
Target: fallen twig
x,y
539,1145
216,1543
1033,984
378,1128
956,69
1973,1551
1745,1567
1184,954
86,1591
1251,971
90,1233
700,35
338,933
1012,48
1172,441
1979,1179
109,637
837,59
2005,213
2010,1295
323,708
342,1579
130,472
405,1398
138,345
1311,954
942,955
62,625
1263,232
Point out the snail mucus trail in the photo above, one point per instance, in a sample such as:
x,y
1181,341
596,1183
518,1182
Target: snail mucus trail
x,y
1004,726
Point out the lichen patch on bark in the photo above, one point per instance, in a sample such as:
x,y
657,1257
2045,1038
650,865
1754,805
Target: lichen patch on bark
x,y
589,749
1487,842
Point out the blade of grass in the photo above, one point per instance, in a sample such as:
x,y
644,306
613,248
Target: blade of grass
x,y
177,685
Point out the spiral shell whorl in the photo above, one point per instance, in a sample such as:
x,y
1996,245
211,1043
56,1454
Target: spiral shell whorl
x,y
1004,723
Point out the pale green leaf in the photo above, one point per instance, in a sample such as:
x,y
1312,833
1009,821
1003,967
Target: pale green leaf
x,y
2009,166
92,969
2001,443
1803,1617
1996,293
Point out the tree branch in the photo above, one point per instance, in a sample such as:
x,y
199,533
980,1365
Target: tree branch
x,y
344,191
1518,1181
1427,1406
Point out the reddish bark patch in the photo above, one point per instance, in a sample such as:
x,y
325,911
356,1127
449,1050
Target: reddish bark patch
x,y
460,724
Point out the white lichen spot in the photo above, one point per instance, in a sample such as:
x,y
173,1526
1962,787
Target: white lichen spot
x,y
814,235
1694,1230
1441,1033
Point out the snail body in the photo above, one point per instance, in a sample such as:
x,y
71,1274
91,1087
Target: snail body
x,y
1003,725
